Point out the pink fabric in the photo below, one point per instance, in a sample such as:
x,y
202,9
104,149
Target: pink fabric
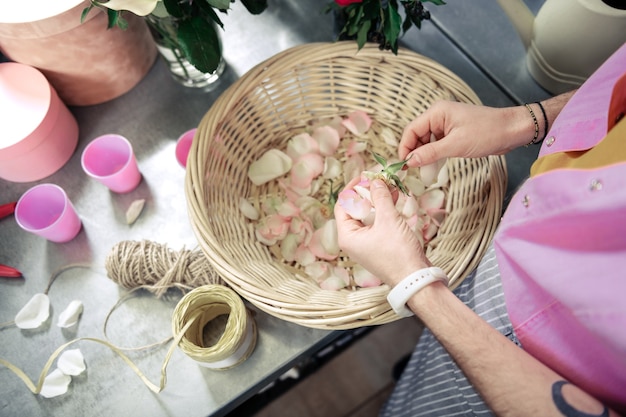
x,y
561,248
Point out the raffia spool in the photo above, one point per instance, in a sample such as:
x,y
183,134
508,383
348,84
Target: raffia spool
x,y
198,310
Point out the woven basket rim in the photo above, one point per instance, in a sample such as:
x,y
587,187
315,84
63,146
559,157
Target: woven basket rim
x,y
349,308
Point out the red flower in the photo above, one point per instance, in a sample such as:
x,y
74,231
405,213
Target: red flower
x,y
344,3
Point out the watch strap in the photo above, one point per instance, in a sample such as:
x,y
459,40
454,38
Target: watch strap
x,y
409,286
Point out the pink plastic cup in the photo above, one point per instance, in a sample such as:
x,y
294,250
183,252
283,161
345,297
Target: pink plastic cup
x,y
183,144
46,211
110,160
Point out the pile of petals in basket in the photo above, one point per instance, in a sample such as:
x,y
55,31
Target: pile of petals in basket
x,y
299,225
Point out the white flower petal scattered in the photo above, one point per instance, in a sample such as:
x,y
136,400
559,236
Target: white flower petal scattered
x,y
34,313
69,317
55,384
71,362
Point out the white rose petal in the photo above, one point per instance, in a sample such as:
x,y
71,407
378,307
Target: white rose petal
x,y
34,313
69,316
55,384
332,167
71,362
271,165
248,210
138,7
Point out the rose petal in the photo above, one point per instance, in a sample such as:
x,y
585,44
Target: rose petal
x,y
389,137
305,169
318,270
288,209
304,256
407,206
272,229
355,206
247,209
34,313
355,147
358,122
71,362
134,210
138,7
55,384
69,316
339,278
327,139
332,167
364,278
414,185
288,247
432,199
324,241
300,145
271,165
353,167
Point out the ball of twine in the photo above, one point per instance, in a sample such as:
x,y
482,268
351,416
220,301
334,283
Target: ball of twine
x,y
194,315
157,268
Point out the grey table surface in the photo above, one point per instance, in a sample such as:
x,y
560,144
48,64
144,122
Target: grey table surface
x,y
473,39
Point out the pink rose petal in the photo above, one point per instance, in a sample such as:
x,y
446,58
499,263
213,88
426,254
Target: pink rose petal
x,y
358,122
324,241
327,139
432,199
305,169
364,278
340,278
300,145
353,167
355,147
355,206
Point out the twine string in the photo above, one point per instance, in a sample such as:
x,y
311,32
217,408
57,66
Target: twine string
x,y
156,268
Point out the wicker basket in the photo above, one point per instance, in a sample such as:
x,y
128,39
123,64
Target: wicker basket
x,y
278,99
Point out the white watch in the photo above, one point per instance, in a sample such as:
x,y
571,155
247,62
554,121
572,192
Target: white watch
x,y
405,289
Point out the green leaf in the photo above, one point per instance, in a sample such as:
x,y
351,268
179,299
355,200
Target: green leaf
x,y
85,12
436,2
210,12
361,36
398,183
392,26
255,6
174,8
200,43
393,168
380,159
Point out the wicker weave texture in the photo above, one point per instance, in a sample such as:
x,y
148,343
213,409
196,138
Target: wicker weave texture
x,y
280,98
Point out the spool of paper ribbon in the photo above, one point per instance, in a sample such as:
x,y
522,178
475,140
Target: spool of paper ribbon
x,y
202,307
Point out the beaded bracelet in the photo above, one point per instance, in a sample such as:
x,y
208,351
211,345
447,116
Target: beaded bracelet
x,y
545,121
536,135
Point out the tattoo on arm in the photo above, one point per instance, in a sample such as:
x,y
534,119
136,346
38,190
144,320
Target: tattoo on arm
x,y
566,408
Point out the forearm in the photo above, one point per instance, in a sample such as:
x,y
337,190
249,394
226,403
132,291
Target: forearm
x,y
510,381
522,124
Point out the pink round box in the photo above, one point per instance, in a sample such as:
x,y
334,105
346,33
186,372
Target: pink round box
x,y
39,134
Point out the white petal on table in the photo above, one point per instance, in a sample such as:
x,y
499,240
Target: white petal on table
x,y
71,362
34,313
55,384
69,317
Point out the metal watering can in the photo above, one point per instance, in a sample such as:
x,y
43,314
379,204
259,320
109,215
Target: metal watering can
x,y
568,39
